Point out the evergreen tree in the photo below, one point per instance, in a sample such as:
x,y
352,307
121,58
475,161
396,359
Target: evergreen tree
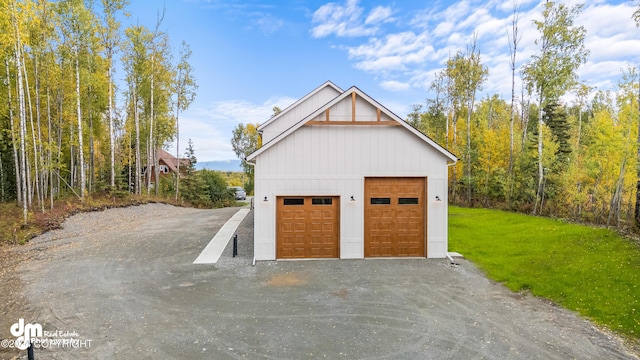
x,y
555,117
193,188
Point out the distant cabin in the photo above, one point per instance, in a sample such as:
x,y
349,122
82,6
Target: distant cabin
x,y
341,176
167,165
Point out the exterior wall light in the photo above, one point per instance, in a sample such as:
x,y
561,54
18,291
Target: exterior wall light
x,y
437,198
352,198
265,199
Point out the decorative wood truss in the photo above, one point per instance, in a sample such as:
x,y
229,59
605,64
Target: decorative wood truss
x,y
362,112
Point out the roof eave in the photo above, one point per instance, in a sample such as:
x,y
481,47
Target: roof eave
x,y
288,108
449,155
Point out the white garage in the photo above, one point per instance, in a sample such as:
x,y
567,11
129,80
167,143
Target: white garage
x,y
341,176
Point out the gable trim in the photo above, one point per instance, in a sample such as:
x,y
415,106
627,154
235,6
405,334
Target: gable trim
x,y
352,91
355,123
288,108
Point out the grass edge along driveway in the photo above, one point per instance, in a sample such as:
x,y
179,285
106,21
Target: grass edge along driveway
x,y
593,271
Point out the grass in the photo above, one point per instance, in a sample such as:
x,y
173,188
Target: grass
x,y
593,271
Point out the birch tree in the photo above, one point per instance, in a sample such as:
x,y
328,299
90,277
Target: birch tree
x,y
436,120
473,77
185,93
110,33
150,94
467,75
77,25
22,112
134,60
552,70
514,37
636,18
244,141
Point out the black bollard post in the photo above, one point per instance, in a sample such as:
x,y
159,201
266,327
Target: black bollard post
x,y
235,245
30,351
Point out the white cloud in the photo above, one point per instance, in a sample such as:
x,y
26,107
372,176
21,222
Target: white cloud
x,y
267,23
407,57
442,29
507,5
608,20
210,128
345,20
456,12
380,14
394,85
393,53
242,111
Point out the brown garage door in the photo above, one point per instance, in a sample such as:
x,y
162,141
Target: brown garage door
x,y
307,227
394,217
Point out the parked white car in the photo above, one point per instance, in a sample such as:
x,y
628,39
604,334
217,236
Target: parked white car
x,y
240,193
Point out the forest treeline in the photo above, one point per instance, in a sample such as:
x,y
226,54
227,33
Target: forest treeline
x,y
68,128
68,125
538,152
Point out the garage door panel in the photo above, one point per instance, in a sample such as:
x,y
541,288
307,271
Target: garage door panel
x,y
395,217
328,227
314,240
315,226
315,223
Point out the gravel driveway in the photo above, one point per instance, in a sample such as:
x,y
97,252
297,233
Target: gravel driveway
x,y
121,284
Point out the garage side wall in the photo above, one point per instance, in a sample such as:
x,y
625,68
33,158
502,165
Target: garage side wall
x,y
334,161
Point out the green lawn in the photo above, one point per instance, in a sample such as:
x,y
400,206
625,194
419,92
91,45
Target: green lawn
x,y
593,271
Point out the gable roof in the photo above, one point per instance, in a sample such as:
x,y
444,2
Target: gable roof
x,y
170,160
299,101
345,94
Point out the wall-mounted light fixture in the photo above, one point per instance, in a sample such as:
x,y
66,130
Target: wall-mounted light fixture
x,y
265,199
352,198
437,198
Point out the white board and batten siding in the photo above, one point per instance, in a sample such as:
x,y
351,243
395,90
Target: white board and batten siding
x,y
297,111
334,160
327,144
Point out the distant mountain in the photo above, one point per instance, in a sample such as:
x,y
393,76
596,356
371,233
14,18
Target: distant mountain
x,y
223,165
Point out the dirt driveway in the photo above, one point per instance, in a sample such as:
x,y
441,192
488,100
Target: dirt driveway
x,y
121,284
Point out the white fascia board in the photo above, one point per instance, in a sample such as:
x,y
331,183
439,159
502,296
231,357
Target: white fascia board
x,y
390,114
302,99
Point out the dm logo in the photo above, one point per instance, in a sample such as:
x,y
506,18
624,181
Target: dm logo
x,y
24,332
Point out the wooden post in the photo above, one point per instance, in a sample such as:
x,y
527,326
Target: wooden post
x,y
353,106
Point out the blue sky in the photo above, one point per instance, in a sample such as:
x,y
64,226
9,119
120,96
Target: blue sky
x,y
252,55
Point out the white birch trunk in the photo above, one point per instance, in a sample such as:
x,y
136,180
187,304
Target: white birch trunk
x,y
151,153
112,158
49,157
539,192
40,159
177,149
36,176
137,123
14,143
79,114
23,130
